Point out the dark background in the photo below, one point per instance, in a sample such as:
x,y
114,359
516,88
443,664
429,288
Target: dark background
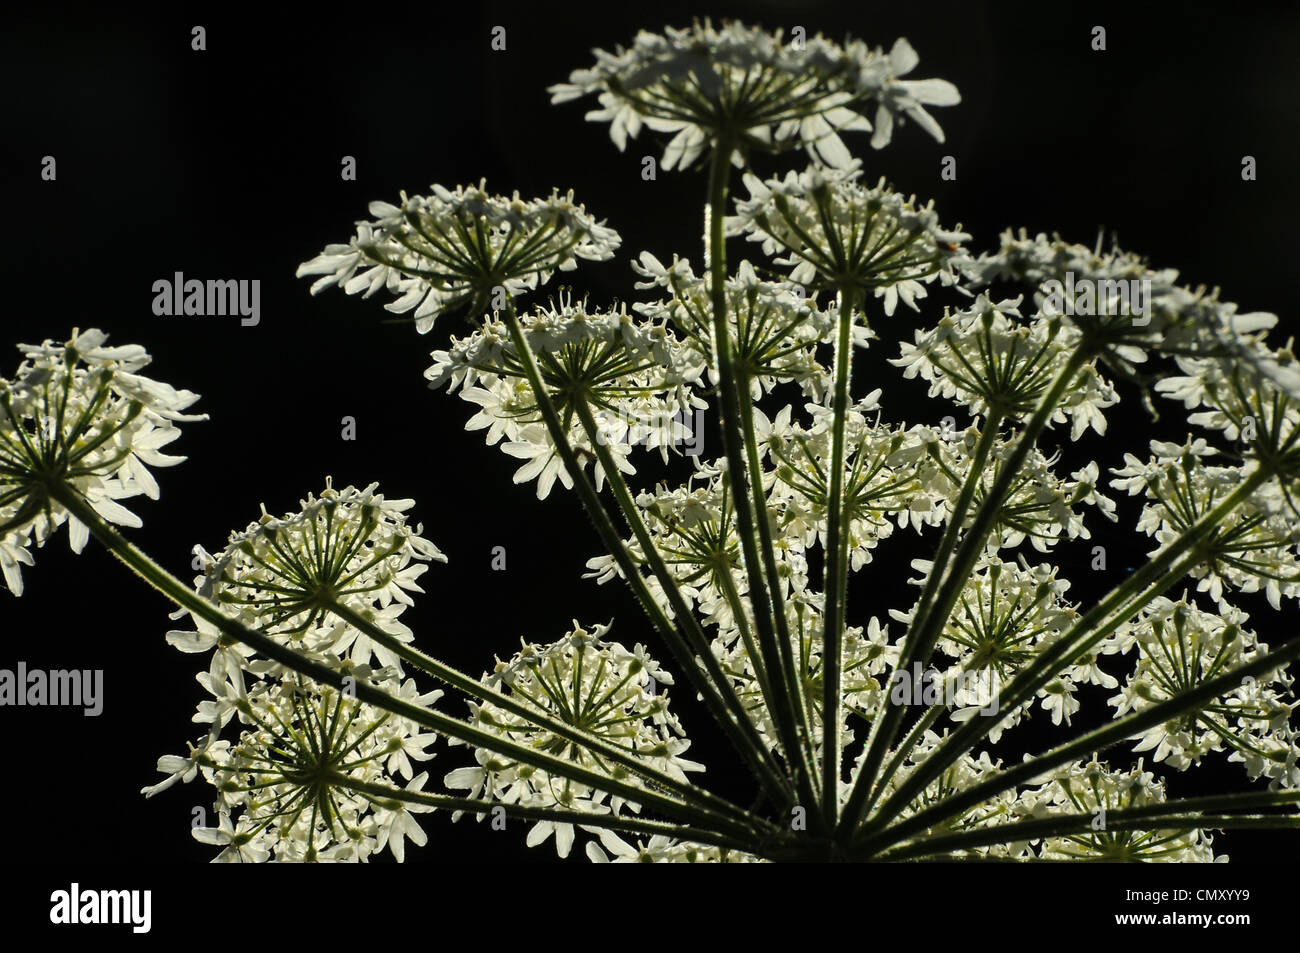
x,y
225,164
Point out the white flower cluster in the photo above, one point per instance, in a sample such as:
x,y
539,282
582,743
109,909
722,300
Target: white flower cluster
x,y
867,658
1117,300
1181,646
1252,549
1007,614
705,82
1250,399
287,785
594,685
81,414
661,850
775,327
969,769
891,477
282,575
634,376
1090,791
991,360
834,232
1095,789
451,250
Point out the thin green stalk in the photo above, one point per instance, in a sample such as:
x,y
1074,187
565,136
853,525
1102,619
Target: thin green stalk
x,y
181,594
780,704
803,725
835,572
733,720
1184,814
476,689
1129,726
614,822
883,732
1137,590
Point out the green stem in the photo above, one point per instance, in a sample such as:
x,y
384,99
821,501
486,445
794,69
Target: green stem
x,y
1129,726
732,718
186,598
883,732
1168,815
789,669
835,573
476,689
1165,569
613,822
779,702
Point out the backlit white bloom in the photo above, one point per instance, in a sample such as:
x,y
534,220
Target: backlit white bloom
x,y
661,850
754,88
775,327
1180,646
632,375
589,683
1095,789
455,249
990,358
1254,548
283,575
1122,306
81,415
288,786
833,232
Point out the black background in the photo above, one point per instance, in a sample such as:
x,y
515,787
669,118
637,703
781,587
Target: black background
x,y
225,164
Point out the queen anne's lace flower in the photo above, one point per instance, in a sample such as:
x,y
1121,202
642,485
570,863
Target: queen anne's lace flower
x,y
594,685
703,83
1252,549
992,360
288,785
633,376
1246,402
1179,648
81,414
836,233
453,250
1094,789
1123,307
775,327
348,547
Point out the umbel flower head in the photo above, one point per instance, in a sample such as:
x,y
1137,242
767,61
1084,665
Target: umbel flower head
x,y
452,250
833,232
993,361
1096,788
79,415
592,684
753,89
1181,645
633,374
1123,307
285,575
288,784
775,328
